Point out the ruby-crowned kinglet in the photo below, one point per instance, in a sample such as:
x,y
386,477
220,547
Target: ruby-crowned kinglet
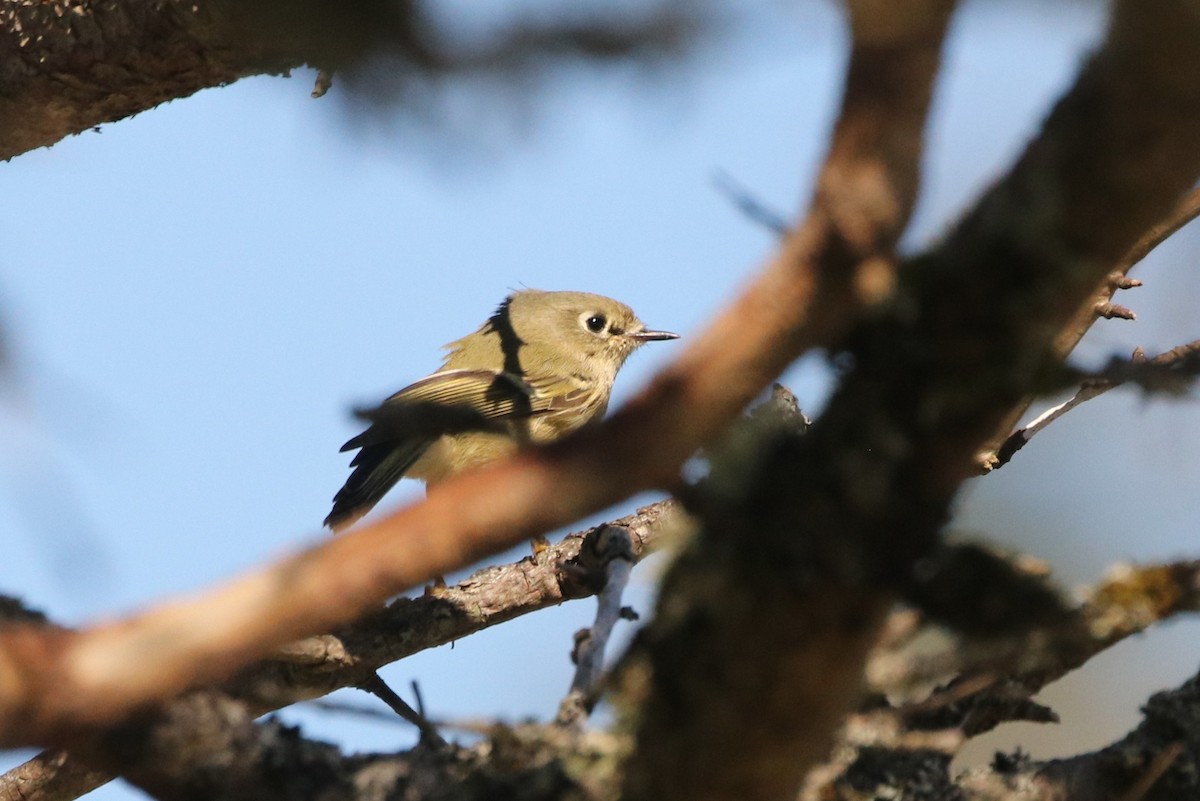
x,y
542,366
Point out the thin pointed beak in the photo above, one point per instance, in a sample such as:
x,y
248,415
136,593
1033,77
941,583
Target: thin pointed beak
x,y
651,336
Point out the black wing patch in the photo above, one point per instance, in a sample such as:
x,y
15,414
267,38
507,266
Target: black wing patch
x,y
404,426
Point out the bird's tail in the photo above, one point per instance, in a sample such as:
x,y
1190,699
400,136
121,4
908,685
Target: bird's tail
x,y
377,468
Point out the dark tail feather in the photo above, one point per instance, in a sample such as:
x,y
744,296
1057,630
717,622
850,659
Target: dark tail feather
x,y
378,468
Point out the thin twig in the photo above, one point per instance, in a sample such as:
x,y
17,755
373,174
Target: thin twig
x,y
323,83
616,553
379,688
1186,210
748,204
357,710
1182,355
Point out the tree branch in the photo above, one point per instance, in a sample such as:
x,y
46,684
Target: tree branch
x,y
568,570
318,665
934,688
207,748
1175,364
71,66
756,649
997,451
614,550
971,333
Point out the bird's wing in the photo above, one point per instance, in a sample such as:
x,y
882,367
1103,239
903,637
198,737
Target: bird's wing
x,y
450,402
377,468
491,393
404,426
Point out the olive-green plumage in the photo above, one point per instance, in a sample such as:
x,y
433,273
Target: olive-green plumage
x,y
541,366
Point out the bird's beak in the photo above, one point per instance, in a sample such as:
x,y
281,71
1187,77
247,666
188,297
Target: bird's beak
x,y
651,336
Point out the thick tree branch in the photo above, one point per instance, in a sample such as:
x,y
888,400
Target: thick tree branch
x,y
971,334
983,312
756,651
974,330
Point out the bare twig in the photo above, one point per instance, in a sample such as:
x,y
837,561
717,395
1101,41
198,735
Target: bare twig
x,y
1094,388
615,551
357,710
748,204
1186,210
379,688
323,83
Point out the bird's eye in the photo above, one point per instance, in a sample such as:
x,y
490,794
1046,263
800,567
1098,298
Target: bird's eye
x,y
595,323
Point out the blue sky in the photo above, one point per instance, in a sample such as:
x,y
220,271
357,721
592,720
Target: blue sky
x,y
196,296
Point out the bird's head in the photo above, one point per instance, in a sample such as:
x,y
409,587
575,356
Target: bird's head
x,y
579,328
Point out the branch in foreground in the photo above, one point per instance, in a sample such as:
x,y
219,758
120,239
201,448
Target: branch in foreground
x,y
904,751
981,311
759,639
761,662
318,665
872,483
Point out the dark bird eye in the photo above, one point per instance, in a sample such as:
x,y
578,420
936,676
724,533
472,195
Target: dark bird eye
x,y
595,323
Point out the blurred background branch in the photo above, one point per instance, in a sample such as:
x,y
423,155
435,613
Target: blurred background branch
x,y
72,65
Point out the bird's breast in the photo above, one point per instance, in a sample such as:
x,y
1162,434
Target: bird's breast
x,y
455,453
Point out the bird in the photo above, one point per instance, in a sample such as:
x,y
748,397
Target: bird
x,y
540,367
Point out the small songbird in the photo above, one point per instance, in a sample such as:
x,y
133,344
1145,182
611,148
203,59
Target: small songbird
x,y
542,366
